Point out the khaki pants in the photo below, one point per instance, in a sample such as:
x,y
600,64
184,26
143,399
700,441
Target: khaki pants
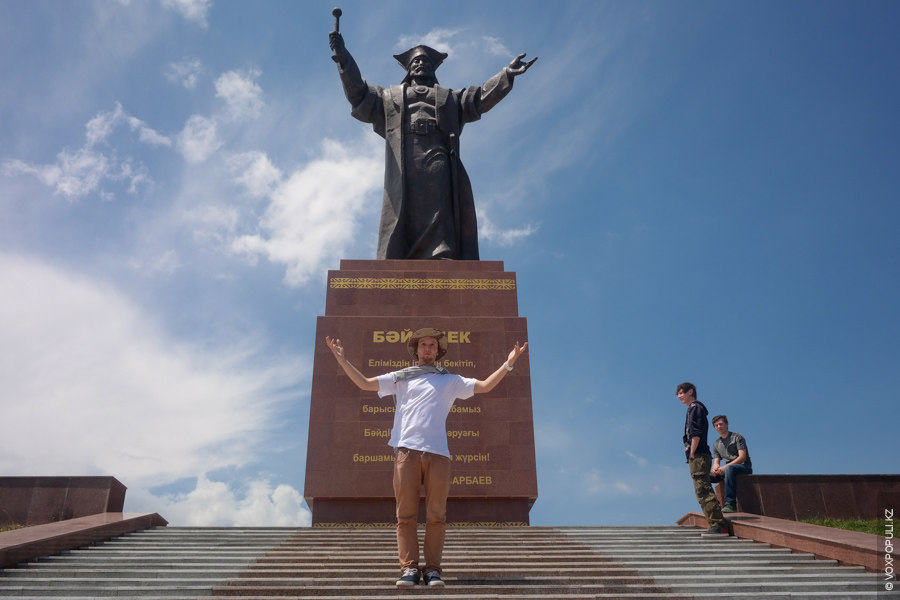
x,y
700,466
412,470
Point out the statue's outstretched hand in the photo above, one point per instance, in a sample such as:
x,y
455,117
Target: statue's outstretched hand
x,y
517,67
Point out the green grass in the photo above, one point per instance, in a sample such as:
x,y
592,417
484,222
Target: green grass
x,y
875,526
9,527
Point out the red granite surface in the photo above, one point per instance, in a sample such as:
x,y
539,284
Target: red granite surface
x,y
38,500
28,543
797,497
850,547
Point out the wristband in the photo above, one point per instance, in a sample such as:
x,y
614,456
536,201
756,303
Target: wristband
x,y
506,365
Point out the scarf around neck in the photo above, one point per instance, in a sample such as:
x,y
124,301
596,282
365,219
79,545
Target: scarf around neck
x,y
411,372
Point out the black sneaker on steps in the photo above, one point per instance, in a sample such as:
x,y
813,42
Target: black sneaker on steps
x,y
716,531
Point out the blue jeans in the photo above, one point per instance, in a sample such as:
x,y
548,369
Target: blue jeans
x,y
730,477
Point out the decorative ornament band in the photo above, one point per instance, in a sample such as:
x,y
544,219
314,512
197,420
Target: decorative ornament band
x,y
419,283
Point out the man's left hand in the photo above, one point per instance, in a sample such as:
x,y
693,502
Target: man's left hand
x,y
515,353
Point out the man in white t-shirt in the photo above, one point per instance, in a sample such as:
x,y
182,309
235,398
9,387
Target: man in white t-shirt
x,y
423,396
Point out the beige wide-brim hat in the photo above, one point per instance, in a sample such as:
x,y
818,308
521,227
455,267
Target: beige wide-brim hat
x,y
413,344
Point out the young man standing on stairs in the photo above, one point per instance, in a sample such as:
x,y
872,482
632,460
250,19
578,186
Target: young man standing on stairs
x,y
696,428
423,397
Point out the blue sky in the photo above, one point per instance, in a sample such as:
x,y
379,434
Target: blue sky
x,y
700,191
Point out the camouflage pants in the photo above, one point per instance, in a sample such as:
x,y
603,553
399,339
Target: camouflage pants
x,y
700,466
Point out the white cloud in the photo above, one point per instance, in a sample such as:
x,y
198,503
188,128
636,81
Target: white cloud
x,y
241,94
91,386
213,225
610,481
74,174
192,10
439,39
496,47
186,72
83,171
216,503
255,172
596,483
102,126
199,139
553,437
489,232
165,264
640,460
148,135
312,216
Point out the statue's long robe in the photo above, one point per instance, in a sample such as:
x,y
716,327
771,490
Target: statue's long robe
x,y
385,109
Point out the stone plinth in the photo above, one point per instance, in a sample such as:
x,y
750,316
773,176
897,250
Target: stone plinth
x,y
29,543
39,500
799,497
372,307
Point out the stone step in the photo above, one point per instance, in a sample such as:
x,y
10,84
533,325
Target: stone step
x,y
507,589
324,577
508,563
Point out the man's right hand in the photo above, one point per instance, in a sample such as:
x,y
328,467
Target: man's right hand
x,y
336,348
368,384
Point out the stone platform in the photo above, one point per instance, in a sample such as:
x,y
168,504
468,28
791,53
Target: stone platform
x,y
847,547
28,543
797,497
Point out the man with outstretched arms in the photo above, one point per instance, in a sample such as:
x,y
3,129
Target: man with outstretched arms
x,y
423,396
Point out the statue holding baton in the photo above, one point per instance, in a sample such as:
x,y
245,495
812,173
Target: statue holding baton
x,y
428,209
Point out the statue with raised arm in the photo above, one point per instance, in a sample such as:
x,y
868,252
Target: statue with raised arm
x,y
428,210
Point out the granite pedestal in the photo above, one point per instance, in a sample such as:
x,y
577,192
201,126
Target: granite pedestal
x,y
373,307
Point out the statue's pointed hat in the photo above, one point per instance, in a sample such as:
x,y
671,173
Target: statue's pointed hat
x,y
433,55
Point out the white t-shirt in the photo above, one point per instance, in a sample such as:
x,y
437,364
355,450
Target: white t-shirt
x,y
421,408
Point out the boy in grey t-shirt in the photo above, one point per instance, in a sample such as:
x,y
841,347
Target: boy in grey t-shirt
x,y
731,447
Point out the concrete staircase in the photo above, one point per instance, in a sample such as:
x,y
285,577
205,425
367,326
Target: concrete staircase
x,y
510,563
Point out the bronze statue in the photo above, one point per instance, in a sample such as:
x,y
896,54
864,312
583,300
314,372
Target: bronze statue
x,y
428,211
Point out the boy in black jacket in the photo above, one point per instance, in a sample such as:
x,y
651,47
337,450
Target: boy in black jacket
x,y
699,459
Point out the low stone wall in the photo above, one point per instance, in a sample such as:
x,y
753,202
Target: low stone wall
x,y
39,500
29,543
797,497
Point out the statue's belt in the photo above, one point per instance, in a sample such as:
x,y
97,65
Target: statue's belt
x,y
422,126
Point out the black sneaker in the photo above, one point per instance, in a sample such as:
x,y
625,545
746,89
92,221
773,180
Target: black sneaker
x,y
716,531
409,578
433,579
